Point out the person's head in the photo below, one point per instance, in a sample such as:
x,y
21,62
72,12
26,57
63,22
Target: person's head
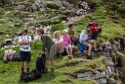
x,y
94,21
24,31
40,31
71,26
88,31
57,34
65,31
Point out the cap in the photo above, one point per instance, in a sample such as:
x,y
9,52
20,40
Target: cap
x,y
65,31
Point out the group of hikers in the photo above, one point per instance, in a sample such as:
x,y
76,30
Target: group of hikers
x,y
54,47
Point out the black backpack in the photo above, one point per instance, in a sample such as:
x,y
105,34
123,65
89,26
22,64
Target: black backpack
x,y
16,57
30,76
40,63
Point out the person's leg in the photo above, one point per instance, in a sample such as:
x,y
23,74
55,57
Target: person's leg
x,y
28,66
70,48
47,57
52,63
94,44
89,49
22,66
52,52
67,50
27,59
22,61
60,47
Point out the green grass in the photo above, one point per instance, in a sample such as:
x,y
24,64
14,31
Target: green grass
x,y
65,71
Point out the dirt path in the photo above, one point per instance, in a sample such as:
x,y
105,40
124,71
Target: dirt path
x,y
75,19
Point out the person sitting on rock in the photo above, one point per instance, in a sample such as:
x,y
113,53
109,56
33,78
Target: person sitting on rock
x,y
73,34
85,39
59,43
67,43
95,28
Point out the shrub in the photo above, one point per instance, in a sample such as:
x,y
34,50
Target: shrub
x,y
58,27
52,6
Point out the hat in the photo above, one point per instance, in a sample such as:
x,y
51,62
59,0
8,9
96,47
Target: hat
x,y
65,31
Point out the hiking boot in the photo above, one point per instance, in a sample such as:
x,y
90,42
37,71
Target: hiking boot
x,y
96,51
89,57
52,70
59,54
46,70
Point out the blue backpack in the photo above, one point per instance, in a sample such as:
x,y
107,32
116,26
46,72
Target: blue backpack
x,y
80,46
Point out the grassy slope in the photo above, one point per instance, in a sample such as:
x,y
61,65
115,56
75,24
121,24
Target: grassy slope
x,y
9,73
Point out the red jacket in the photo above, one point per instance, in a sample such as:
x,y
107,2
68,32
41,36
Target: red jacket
x,y
94,27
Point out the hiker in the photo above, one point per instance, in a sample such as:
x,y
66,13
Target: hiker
x,y
24,42
73,34
67,43
59,43
96,29
49,46
85,39
39,32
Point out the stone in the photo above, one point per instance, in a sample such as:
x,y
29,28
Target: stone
x,y
103,74
112,81
102,81
109,72
80,75
96,75
20,7
34,7
18,25
88,74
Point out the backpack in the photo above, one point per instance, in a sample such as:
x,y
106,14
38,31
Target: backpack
x,y
40,63
30,76
80,46
16,57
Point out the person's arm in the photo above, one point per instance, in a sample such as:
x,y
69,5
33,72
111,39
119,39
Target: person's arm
x,y
89,24
82,36
20,42
29,41
44,40
70,42
61,40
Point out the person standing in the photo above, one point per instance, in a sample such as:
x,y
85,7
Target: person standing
x,y
24,42
49,47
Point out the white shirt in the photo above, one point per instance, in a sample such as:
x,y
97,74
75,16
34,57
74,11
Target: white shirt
x,y
58,40
26,38
83,36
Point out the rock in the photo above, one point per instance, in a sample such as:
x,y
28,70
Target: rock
x,y
103,74
112,81
88,74
34,7
20,7
102,81
96,75
8,41
109,72
80,75
18,25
